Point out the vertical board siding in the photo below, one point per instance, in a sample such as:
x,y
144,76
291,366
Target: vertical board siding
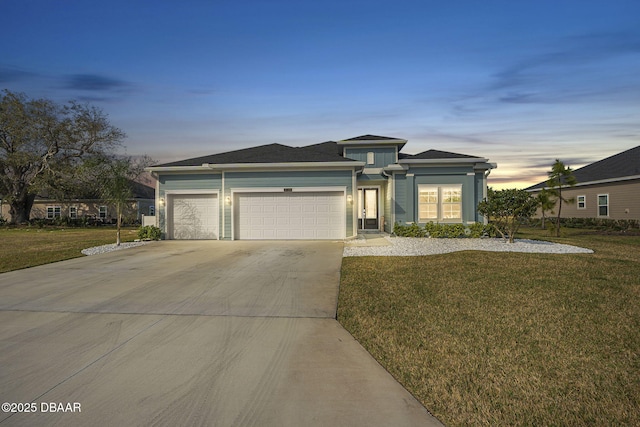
x,y
384,156
400,182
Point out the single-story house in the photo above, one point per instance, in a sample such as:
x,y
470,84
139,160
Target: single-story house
x,y
609,188
141,204
329,190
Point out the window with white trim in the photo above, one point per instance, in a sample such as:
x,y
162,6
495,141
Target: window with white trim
x,y
603,205
73,212
439,203
102,213
371,158
582,202
53,212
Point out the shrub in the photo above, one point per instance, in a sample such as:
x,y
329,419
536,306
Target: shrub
x,y
444,231
149,232
413,230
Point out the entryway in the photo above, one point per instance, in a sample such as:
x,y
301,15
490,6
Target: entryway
x,y
368,208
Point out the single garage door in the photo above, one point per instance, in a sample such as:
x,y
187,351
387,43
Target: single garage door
x,y
290,215
193,216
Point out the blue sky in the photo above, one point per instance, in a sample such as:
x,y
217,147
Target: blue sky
x,y
519,82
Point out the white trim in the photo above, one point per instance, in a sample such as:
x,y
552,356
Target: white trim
x,y
601,181
584,202
372,171
347,164
223,207
191,191
608,205
354,201
448,160
342,188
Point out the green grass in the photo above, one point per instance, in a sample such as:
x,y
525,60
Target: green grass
x,y
486,338
28,247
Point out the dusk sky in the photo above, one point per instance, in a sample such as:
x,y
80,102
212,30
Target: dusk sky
x,y
519,82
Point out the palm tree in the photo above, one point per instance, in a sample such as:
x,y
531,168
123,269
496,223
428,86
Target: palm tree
x,y
560,176
545,203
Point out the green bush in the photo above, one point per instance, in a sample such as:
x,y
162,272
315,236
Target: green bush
x,y
149,232
444,231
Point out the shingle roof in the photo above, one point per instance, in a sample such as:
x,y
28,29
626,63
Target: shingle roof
x,y
372,138
619,165
271,153
437,154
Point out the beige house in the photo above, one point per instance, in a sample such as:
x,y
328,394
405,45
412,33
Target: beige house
x,y
608,189
94,210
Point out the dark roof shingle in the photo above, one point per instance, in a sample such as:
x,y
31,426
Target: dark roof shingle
x,y
437,154
271,153
619,165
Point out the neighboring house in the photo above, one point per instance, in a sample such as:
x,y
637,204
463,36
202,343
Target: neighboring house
x,y
142,203
322,191
609,188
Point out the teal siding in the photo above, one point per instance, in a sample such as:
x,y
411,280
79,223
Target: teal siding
x,y
383,156
290,179
400,198
168,182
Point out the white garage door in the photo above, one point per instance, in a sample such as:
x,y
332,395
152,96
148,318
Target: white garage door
x,y
313,215
193,216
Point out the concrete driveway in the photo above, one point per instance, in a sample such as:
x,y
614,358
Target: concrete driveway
x,y
191,333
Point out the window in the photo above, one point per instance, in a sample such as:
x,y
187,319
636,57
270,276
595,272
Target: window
x,y
582,202
428,204
603,205
451,202
53,212
439,203
371,158
73,212
152,210
103,212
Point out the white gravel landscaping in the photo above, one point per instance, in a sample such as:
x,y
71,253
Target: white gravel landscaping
x,y
411,246
96,250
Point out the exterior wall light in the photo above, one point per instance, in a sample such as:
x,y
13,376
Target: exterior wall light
x,y
161,201
227,200
349,199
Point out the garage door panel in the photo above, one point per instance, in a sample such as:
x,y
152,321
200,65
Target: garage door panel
x,y
297,215
193,216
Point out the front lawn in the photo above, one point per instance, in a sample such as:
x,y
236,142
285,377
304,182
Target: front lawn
x,y
27,247
486,338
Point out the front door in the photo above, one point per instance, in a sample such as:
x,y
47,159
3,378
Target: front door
x,y
368,208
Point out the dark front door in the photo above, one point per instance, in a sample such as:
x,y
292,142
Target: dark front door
x,y
368,208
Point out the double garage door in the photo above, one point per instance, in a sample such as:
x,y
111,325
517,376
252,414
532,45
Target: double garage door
x,y
289,215
260,215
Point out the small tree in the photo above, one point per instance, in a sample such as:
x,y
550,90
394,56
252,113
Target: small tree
x,y
545,203
560,177
506,209
116,185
